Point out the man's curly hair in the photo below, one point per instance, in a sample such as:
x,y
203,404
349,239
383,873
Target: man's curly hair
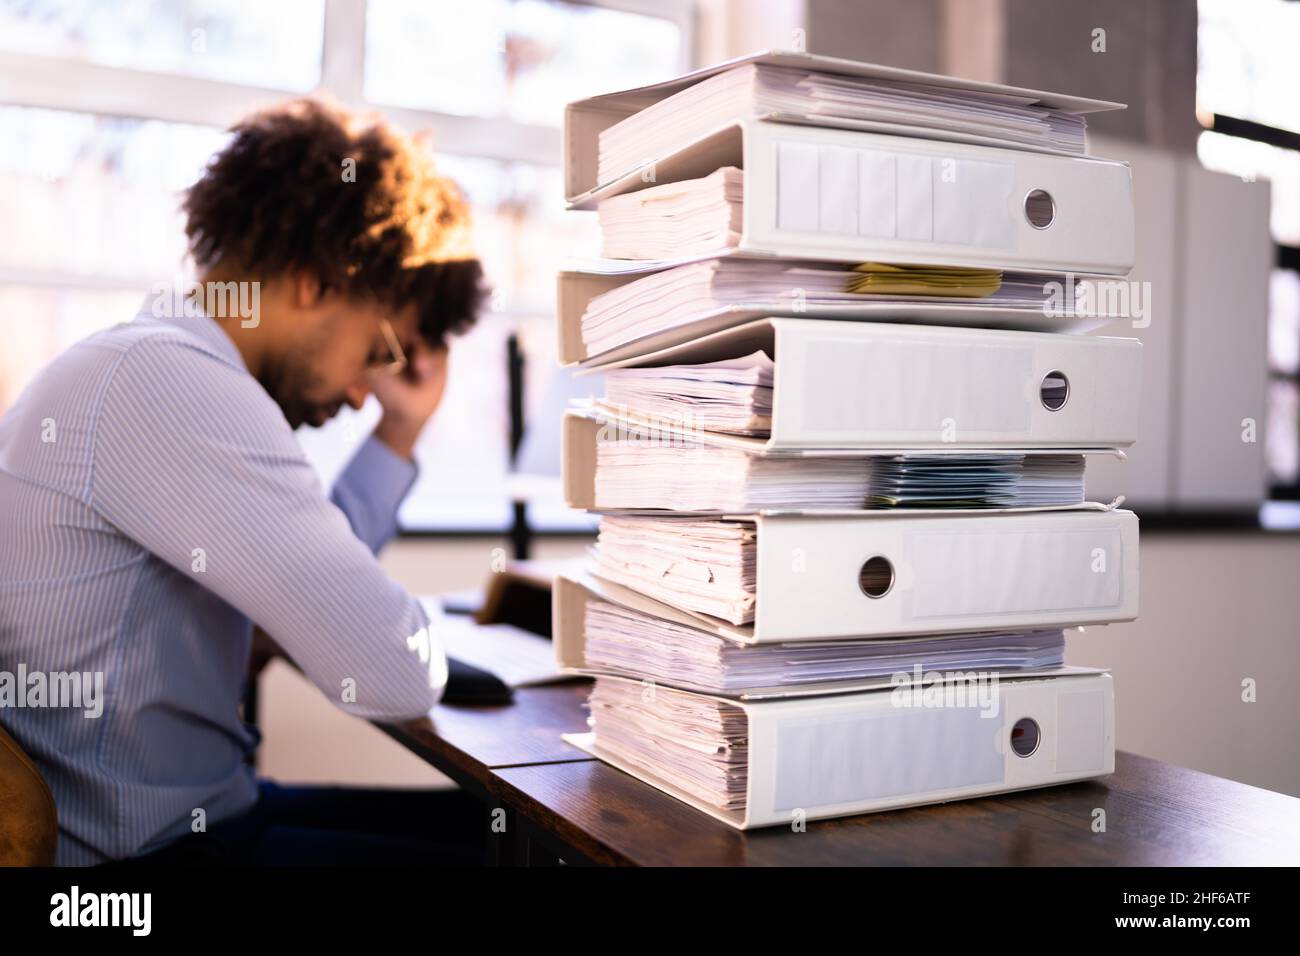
x,y
308,187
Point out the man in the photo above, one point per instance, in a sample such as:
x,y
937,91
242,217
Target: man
x,y
155,506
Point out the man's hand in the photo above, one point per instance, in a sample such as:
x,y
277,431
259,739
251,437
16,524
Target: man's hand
x,y
410,397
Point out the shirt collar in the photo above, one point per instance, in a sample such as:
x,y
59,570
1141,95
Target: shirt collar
x,y
168,305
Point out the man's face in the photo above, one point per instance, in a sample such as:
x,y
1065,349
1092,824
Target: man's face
x,y
329,354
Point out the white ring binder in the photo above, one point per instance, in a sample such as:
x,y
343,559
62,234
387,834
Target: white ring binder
x,y
944,400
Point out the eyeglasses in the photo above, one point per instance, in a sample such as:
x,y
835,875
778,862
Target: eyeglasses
x,y
398,360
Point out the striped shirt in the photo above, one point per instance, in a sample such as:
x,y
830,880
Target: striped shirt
x,y
153,504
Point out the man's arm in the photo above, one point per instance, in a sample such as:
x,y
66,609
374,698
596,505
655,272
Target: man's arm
x,y
194,461
370,490
372,486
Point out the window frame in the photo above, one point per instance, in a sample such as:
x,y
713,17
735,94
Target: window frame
x,y
1285,257
71,85
77,86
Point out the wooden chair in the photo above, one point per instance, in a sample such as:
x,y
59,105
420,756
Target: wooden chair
x,y
29,823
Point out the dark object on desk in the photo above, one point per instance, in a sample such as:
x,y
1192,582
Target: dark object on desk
x,y
468,602
467,684
520,596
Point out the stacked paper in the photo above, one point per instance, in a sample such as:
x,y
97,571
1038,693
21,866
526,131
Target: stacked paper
x,y
846,101
701,565
977,481
730,395
649,474
622,640
675,219
692,292
701,742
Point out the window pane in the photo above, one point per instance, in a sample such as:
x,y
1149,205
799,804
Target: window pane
x,y
96,196
464,453
546,239
414,60
38,323
97,203
1246,60
253,42
559,52
1282,447
521,231
1284,321
523,60
548,390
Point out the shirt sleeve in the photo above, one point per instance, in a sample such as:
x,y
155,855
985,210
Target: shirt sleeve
x,y
371,489
196,463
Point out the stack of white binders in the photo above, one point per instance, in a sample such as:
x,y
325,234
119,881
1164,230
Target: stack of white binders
x,y
841,453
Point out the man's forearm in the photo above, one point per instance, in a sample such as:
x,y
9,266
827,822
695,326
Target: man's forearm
x,y
400,436
371,488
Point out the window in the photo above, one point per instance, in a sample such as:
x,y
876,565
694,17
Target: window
x,y
274,45
121,102
95,201
517,59
1245,95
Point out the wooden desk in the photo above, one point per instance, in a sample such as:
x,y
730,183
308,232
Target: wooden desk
x,y
563,804
468,742
1156,815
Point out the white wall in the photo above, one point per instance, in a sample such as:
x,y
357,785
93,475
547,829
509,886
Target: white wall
x,y
1217,608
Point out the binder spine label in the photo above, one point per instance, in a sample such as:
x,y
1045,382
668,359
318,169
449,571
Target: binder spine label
x,y
845,191
887,752
925,391
1014,572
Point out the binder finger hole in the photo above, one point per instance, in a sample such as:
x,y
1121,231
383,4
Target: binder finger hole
x,y
1025,736
1055,390
876,577
1040,208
